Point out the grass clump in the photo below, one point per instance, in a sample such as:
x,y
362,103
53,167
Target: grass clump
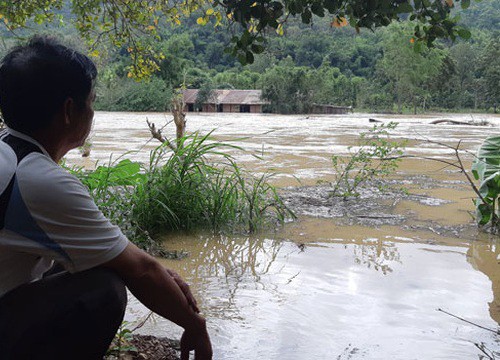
x,y
199,185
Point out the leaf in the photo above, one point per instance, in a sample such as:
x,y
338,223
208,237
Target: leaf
x,y
465,4
340,22
280,30
242,59
449,3
418,46
405,8
257,49
486,169
306,17
464,33
209,12
249,57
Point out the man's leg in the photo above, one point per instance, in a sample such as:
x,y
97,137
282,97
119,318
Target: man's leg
x,y
63,316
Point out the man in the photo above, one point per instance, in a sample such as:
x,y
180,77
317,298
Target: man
x,y
47,216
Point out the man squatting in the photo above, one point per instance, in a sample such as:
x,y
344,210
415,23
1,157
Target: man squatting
x,y
48,218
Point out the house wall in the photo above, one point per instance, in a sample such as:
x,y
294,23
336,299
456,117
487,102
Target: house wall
x,y
255,109
226,108
337,110
209,108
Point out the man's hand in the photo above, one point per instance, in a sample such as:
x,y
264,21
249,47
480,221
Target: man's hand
x,y
165,293
185,290
199,341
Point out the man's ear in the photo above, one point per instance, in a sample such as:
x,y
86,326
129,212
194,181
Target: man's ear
x,y
68,110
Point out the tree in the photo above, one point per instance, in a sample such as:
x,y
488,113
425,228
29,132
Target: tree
x,y
408,70
288,89
134,24
206,95
465,59
490,73
177,50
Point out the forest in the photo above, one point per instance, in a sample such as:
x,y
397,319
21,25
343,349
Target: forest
x,y
319,63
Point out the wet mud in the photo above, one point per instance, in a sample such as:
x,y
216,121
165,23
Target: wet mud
x,y
377,204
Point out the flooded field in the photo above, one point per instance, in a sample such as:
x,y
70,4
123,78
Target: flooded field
x,y
335,284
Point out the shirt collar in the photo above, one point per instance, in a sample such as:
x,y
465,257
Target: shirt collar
x,y
27,138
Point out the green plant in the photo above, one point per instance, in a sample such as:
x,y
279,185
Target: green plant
x,y
375,157
486,169
121,341
199,185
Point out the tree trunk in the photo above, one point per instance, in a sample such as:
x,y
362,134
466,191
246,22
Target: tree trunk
x,y
179,118
398,99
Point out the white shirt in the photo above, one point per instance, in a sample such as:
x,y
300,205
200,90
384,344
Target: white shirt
x,y
49,216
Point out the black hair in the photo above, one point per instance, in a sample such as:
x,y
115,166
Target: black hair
x,y
37,78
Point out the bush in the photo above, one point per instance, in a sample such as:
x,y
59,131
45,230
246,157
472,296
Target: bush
x,y
375,157
183,190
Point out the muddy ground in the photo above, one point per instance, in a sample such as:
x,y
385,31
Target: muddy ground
x,y
150,348
376,204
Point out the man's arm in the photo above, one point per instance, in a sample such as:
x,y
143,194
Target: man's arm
x,y
159,290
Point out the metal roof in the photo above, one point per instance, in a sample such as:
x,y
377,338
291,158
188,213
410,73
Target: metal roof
x,y
245,97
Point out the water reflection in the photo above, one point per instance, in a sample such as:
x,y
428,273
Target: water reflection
x,y
287,298
377,254
484,255
222,268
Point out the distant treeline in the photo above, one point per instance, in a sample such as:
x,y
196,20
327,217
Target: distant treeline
x,y
375,71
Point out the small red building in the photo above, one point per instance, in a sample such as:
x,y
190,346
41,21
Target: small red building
x,y
241,101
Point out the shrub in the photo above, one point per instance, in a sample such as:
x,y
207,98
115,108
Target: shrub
x,y
375,157
198,186
486,169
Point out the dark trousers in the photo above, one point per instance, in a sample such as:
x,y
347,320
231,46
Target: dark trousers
x,y
63,316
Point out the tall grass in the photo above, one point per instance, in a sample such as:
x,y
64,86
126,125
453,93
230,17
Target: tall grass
x,y
198,186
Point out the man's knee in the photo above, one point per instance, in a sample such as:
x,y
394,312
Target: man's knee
x,y
111,286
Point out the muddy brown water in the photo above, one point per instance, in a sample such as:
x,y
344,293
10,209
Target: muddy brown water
x,y
323,287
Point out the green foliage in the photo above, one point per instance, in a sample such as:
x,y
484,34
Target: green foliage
x,y
121,341
206,95
288,89
258,17
183,190
124,23
129,95
236,79
486,169
375,157
489,68
407,70
340,66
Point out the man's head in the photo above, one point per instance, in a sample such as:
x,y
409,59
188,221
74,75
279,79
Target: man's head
x,y
38,79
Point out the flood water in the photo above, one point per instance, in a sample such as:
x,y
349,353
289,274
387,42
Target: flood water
x,y
320,288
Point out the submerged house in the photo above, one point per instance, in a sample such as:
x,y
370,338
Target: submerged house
x,y
330,109
240,101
